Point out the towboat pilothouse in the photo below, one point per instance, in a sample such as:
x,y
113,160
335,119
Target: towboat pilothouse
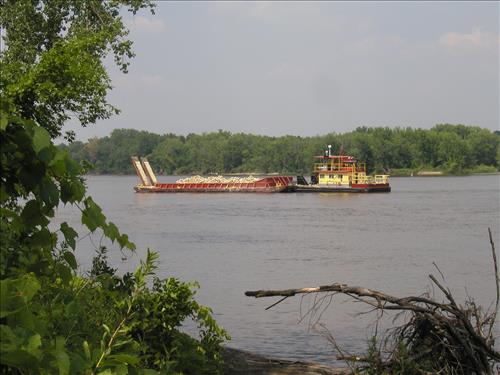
x,y
341,173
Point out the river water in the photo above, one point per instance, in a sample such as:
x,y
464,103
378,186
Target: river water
x,y
231,243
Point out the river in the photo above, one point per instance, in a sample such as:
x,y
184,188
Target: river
x,y
231,243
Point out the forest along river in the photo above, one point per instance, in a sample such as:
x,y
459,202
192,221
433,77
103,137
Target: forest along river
x,y
231,243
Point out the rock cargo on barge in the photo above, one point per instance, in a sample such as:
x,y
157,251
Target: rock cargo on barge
x,y
149,184
341,173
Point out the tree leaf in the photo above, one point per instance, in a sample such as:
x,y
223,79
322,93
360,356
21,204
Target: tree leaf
x,y
46,154
34,343
69,234
15,293
23,318
125,358
3,193
78,365
58,162
69,257
32,214
111,231
41,238
49,192
19,358
4,120
86,350
92,215
64,272
77,191
72,166
62,360
41,139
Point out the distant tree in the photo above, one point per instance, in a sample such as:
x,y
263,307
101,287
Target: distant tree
x,y
452,149
170,156
484,145
453,152
52,69
462,131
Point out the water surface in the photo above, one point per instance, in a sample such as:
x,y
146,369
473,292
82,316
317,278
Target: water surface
x,y
232,243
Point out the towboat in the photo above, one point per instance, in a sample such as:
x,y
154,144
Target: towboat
x,y
149,184
341,173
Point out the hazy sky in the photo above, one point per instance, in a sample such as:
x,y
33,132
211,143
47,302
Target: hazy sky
x,y
308,68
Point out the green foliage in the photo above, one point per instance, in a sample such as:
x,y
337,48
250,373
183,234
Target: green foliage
x,y
167,305
400,362
374,360
53,319
403,363
453,149
53,64
112,154
484,169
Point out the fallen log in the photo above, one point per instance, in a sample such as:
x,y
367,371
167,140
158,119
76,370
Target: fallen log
x,y
241,362
445,336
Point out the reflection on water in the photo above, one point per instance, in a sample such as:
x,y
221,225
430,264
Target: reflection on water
x,y
231,243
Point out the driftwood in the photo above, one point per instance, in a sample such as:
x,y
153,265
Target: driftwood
x,y
445,336
241,362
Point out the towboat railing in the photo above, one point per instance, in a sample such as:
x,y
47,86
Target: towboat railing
x,y
381,178
377,179
339,167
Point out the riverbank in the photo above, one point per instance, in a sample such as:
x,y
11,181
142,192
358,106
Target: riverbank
x,y
393,173
407,172
241,362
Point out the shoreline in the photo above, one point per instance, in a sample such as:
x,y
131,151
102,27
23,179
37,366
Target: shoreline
x,y
242,362
441,174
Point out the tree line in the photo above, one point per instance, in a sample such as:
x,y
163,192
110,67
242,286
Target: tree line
x,y
453,149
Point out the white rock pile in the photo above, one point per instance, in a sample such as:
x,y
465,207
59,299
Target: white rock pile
x,y
217,180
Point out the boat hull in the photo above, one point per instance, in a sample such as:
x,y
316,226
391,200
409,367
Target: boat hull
x,y
266,185
360,188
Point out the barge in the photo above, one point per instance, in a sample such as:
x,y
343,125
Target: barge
x,y
341,173
149,184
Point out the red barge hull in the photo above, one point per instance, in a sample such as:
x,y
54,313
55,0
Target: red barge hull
x,y
266,185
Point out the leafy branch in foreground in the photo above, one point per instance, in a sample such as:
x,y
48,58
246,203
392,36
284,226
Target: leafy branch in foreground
x,y
52,67
52,319
438,336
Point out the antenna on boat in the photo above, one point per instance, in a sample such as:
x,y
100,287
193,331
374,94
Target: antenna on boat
x,y
329,150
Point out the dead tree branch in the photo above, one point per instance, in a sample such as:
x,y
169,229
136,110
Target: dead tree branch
x,y
444,335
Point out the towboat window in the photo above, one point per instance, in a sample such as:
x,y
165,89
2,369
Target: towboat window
x,y
321,176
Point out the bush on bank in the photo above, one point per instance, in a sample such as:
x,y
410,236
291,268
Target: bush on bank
x,y
54,320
